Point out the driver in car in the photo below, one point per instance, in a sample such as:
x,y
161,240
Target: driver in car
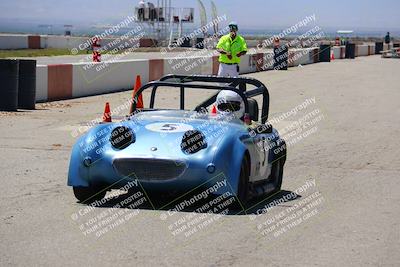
x,y
230,103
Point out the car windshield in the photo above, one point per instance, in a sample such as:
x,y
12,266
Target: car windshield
x,y
182,115
169,97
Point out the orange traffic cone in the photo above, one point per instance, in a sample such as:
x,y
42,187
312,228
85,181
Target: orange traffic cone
x,y
107,113
213,110
138,84
136,88
333,56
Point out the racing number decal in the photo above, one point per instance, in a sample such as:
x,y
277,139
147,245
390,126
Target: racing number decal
x,y
168,127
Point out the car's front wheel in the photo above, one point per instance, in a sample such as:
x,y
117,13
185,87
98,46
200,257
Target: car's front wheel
x,y
89,194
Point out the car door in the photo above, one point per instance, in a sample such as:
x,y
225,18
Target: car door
x,y
259,148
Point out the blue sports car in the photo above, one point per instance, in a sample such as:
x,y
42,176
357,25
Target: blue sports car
x,y
225,140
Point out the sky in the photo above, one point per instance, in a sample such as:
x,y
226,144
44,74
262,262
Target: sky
x,y
250,14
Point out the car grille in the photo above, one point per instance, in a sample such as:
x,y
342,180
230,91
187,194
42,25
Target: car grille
x,y
149,169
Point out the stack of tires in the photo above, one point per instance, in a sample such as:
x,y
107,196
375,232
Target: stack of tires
x,y
281,56
378,47
18,84
186,42
350,51
199,43
325,53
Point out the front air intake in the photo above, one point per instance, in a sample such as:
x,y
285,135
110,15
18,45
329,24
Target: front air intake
x,y
149,169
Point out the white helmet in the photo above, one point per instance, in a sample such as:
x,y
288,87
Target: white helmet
x,y
230,102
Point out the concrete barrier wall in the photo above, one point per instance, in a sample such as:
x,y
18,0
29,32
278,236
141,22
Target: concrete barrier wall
x,y
252,43
362,50
301,57
311,52
315,55
336,50
387,47
83,43
247,64
371,49
189,66
339,51
342,52
81,79
268,61
20,41
50,41
291,56
103,78
13,41
41,83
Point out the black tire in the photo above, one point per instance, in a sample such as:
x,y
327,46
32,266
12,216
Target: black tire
x,y
277,174
277,167
89,194
243,186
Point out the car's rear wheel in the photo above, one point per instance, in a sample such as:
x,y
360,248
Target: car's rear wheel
x,y
89,194
243,187
277,167
277,174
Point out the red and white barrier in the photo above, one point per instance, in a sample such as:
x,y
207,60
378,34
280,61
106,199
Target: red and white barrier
x,y
65,81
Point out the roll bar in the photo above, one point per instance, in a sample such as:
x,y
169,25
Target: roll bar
x,y
236,84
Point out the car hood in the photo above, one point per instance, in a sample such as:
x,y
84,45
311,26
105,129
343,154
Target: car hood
x,y
171,125
159,134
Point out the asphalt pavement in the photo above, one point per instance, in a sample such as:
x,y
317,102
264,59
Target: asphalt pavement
x,y
339,204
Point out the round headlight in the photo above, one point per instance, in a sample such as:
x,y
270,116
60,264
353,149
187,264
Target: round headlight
x,y
193,141
87,161
210,168
121,137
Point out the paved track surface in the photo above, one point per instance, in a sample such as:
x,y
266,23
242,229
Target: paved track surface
x,y
353,157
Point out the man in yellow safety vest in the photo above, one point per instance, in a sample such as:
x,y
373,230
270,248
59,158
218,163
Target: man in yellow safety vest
x,y
231,47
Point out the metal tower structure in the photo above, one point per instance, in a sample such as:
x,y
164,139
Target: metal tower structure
x,y
162,21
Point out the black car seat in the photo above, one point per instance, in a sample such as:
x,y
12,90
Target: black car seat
x,y
253,109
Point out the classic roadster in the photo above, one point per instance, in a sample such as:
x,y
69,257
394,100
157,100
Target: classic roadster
x,y
175,151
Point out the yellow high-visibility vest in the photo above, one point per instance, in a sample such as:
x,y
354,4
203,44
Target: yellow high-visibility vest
x,y
234,46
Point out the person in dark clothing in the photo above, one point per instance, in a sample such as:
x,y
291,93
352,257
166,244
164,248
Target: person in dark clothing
x,y
142,6
387,38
